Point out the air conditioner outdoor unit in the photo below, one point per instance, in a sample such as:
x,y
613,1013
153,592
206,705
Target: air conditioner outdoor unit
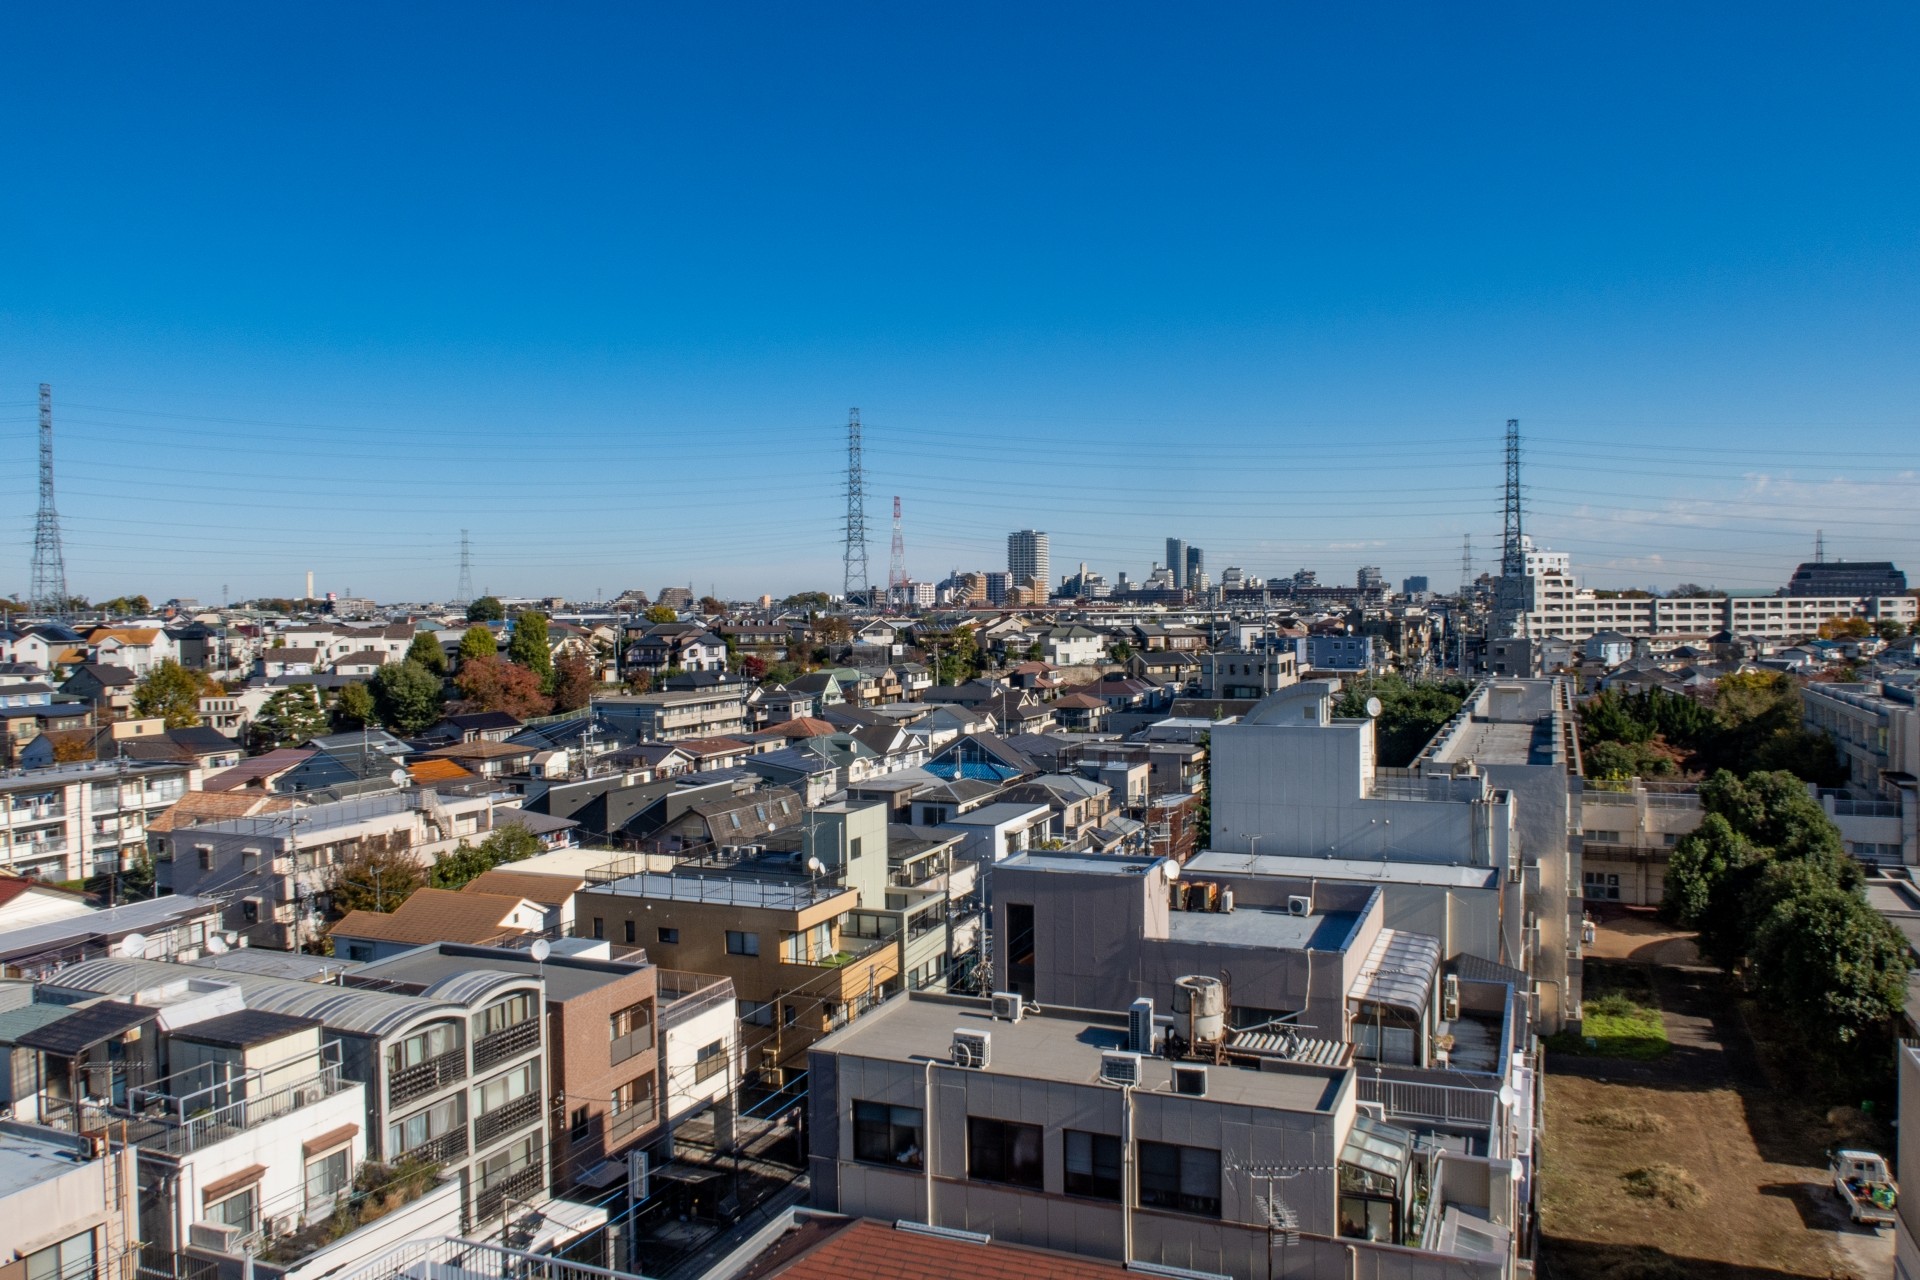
x,y
971,1049
213,1235
1140,1026
1190,1080
1120,1068
1008,1006
1299,904
1450,998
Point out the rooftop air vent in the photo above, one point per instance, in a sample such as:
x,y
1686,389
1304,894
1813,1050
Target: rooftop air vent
x,y
1190,1080
1120,1068
971,1049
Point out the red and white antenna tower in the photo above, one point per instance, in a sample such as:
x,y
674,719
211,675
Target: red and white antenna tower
x,y
897,563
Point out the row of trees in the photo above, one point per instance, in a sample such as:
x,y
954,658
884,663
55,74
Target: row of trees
x,y
1411,712
1752,722
1766,880
377,878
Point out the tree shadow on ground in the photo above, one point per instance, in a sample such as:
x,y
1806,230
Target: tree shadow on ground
x,y
1587,1260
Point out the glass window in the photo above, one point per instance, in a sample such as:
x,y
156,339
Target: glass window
x,y
506,1162
742,944
580,1123
71,1259
631,932
1185,1179
493,1094
669,936
423,1127
1093,1164
430,1042
502,1014
710,1061
326,1178
1004,1151
888,1135
234,1211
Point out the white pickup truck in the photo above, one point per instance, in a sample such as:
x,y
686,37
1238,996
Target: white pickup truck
x,y
1863,1180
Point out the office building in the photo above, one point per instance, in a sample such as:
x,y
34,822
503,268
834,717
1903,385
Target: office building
x,y
1847,578
1027,558
1194,579
1415,585
1177,561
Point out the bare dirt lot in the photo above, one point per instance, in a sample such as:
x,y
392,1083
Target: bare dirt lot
x,y
1694,1164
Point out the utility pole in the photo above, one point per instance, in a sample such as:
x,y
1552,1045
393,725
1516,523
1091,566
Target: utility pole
x,y
49,563
854,554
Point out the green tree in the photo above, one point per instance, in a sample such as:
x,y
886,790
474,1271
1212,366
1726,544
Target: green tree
x,y
959,656
530,646
173,693
1411,712
407,697
1889,630
662,613
426,651
508,842
572,683
478,642
289,718
1203,815
487,609
1829,961
354,708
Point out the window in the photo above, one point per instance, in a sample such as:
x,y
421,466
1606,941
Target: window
x,y
502,1014
1004,1151
671,937
742,944
757,1012
423,1127
326,1179
235,1210
1020,948
579,1124
599,927
630,1031
788,1015
709,1061
206,856
632,932
888,1135
1093,1164
506,1162
71,1259
493,1094
1184,1179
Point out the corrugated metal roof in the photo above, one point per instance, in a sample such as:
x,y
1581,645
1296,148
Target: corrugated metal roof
x,y
114,922
371,1013
1399,970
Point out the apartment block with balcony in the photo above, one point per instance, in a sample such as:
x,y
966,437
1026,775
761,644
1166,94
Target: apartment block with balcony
x,y
1876,730
444,1070
663,717
275,868
1075,1131
604,1058
76,820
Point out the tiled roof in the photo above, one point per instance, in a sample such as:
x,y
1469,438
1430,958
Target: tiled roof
x,y
869,1250
259,768
547,890
437,771
436,915
196,807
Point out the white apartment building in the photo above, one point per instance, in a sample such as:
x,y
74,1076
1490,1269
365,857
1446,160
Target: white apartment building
x,y
88,818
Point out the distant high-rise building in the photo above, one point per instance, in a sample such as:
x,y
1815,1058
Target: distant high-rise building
x,y
1027,557
1414,586
1232,578
1192,579
1867,578
1177,561
1369,579
999,585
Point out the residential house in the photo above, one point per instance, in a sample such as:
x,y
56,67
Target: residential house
x,y
261,772
138,649
682,646
27,711
429,915
1073,646
666,717
475,726
1076,805
727,821
981,756
1080,713
109,689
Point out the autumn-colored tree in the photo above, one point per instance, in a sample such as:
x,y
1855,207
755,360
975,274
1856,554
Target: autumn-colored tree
x,y
1839,628
711,605
753,667
640,681
373,877
662,613
478,643
488,684
572,683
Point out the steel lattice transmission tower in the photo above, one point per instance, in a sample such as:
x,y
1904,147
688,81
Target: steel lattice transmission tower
x,y
465,594
1513,552
897,562
49,564
854,577
1466,565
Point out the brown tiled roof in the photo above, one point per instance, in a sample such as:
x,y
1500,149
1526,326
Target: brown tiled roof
x,y
869,1250
436,915
436,771
535,886
1079,701
259,768
481,750
196,807
799,727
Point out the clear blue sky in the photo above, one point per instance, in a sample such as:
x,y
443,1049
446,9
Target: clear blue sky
x,y
317,286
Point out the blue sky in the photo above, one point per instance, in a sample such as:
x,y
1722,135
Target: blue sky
x,y
317,287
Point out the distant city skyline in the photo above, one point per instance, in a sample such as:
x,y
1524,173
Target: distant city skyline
x,y
300,312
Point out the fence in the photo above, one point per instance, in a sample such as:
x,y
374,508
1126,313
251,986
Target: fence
x,y
1424,1100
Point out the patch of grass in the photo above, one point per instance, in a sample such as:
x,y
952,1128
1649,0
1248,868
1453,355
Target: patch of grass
x,y
1615,1025
1667,1183
1627,1120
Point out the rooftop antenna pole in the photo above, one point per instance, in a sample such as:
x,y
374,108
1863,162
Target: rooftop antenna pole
x,y
49,564
854,555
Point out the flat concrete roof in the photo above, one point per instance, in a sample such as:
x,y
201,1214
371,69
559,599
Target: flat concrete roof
x,y
27,1161
1264,927
1111,864
565,977
1218,862
1064,1046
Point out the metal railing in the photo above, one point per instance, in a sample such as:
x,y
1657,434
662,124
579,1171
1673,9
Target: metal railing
x,y
247,1113
422,1078
452,1256
1420,1100
506,1043
450,1145
521,1184
505,1119
637,1041
681,1002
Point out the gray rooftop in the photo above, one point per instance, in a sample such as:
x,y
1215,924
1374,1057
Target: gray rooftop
x,y
27,1160
372,1013
1062,1045
114,922
1264,927
988,815
729,890
565,977
1218,862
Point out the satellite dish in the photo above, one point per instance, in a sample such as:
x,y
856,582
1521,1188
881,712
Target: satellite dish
x,y
540,950
1373,708
1173,869
816,866
216,945
400,777
133,946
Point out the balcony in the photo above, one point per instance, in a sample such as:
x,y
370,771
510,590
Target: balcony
x,y
423,1078
451,1145
635,1042
505,1119
627,1123
508,1042
522,1184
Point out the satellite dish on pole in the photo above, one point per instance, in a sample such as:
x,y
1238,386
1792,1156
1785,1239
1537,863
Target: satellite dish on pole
x,y
540,950
400,777
1373,708
133,946
216,945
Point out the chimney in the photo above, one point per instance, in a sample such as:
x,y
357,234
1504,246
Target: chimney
x,y
309,594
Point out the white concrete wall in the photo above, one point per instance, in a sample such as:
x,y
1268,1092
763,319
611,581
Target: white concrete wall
x,y
683,1041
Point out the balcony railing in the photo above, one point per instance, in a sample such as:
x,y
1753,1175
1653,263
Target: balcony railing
x,y
236,1117
423,1078
451,1145
506,1043
628,1123
637,1041
522,1184
505,1119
